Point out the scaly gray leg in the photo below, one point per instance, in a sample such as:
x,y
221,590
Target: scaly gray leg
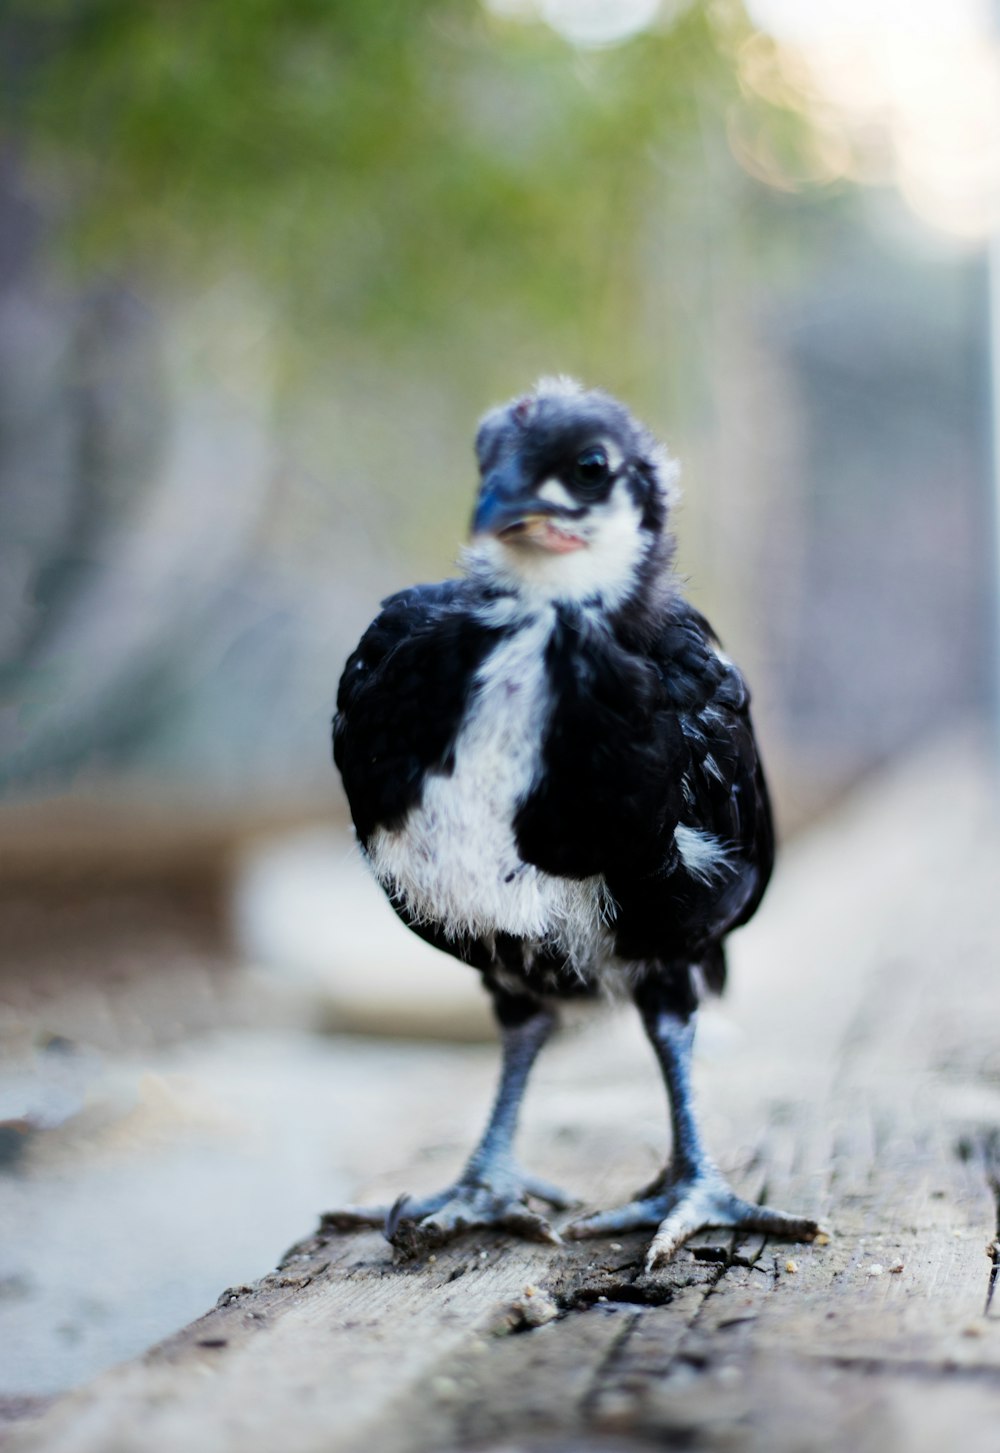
x,y
691,1194
492,1189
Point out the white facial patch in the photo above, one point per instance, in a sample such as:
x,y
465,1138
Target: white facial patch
x,y
554,492
606,566
455,859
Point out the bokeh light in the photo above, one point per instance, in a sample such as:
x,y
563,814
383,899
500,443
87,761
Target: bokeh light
x,y
914,89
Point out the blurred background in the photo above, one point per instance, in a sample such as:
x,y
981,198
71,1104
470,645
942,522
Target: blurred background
x,y
262,265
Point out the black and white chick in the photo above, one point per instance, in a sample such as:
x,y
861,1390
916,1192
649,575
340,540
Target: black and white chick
x,y
553,775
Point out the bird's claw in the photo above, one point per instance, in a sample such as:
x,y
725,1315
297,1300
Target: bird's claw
x,y
415,1228
396,1214
417,1225
689,1204
411,1238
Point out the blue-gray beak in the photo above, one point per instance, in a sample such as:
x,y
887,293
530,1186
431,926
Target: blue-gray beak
x,y
506,502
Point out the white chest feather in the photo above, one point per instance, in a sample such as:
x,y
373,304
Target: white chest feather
x,y
455,859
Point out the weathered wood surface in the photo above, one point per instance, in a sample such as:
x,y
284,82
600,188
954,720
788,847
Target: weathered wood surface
x,y
863,1084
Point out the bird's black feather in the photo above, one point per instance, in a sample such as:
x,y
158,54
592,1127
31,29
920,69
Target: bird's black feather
x,y
402,697
641,741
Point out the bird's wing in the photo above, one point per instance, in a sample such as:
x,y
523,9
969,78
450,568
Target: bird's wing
x,y
724,788
402,696
650,777
713,861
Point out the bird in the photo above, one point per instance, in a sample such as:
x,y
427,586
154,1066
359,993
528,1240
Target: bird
x,y
553,774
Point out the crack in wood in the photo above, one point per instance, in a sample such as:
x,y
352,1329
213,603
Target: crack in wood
x,y
984,1147
926,1371
633,1293
993,1246
605,1370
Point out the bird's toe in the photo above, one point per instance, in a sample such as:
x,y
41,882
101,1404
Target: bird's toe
x,y
543,1190
678,1226
746,1216
637,1215
353,1218
524,1222
386,1218
411,1239
469,1208
494,1198
680,1208
704,1204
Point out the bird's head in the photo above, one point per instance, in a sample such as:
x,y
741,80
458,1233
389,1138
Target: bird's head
x,y
573,499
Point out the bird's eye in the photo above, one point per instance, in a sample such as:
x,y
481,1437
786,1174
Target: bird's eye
x,y
591,469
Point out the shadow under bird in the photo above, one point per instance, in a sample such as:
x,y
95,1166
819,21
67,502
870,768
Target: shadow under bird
x,y
553,774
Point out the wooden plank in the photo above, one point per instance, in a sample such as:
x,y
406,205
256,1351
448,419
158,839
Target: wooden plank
x,y
863,1083
84,837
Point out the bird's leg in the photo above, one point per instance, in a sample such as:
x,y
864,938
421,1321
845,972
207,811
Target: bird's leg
x,y
691,1194
492,1189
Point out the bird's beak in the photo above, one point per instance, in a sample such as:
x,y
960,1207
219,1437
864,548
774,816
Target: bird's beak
x,y
507,503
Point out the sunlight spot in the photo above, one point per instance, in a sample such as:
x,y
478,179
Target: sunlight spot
x,y
589,24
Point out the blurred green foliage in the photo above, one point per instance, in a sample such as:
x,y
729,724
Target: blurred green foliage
x,y
395,166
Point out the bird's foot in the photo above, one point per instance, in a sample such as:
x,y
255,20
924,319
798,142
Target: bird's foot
x,y
679,1207
416,1225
